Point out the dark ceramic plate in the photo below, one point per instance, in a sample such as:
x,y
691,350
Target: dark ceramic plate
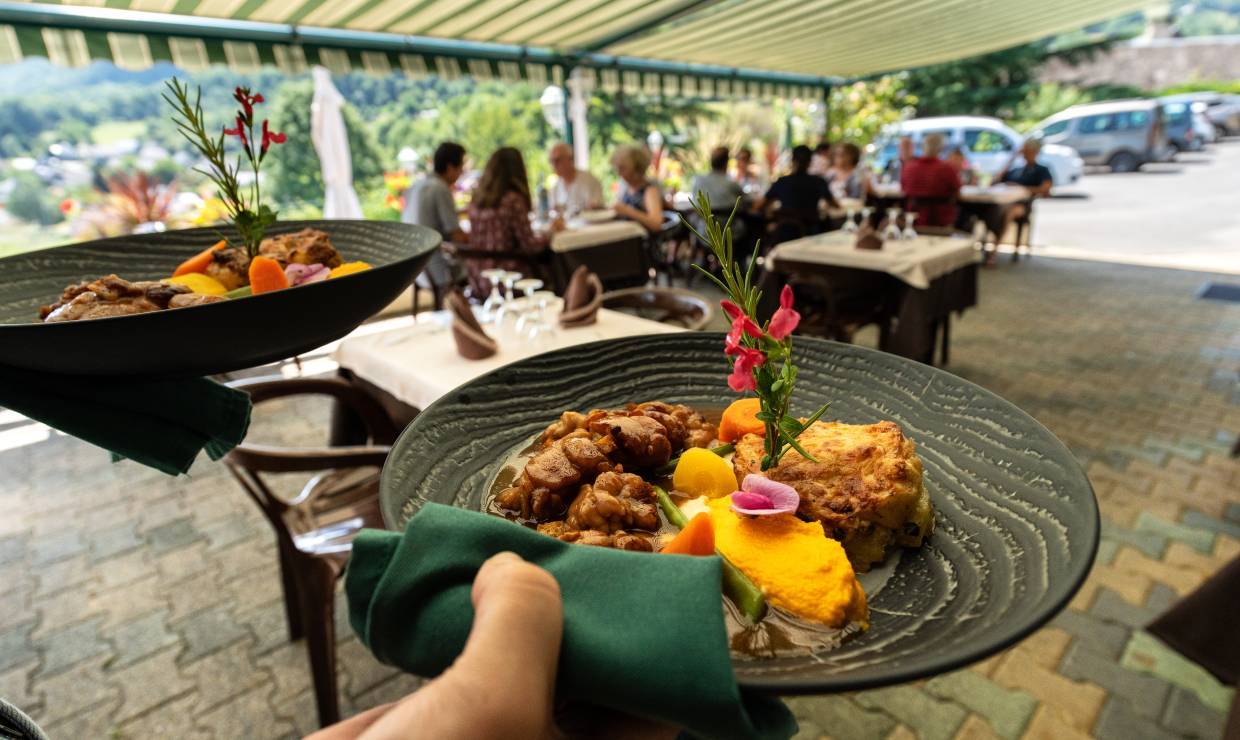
x,y
1017,522
200,340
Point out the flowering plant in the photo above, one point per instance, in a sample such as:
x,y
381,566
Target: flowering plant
x,y
760,354
248,213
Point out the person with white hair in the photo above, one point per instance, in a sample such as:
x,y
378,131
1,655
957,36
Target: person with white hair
x,y
640,199
575,190
931,185
1030,175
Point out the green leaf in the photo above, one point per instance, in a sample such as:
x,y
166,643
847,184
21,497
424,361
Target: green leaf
x,y
778,385
765,416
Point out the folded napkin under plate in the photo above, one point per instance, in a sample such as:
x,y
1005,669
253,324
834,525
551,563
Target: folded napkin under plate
x,y
643,634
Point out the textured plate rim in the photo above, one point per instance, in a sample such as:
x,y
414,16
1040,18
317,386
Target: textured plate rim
x,y
1058,596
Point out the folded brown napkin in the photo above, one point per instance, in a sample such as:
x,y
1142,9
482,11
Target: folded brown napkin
x,y
868,238
582,298
471,341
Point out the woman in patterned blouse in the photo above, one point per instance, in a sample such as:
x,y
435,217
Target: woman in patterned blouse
x,y
499,215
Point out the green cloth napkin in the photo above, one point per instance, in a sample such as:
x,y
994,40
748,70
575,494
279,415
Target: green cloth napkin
x,y
160,423
643,633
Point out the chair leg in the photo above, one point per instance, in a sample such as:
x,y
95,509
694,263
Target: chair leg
x,y
318,586
292,595
947,339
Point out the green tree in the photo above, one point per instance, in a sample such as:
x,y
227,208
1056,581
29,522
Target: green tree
x,y
858,112
31,201
292,168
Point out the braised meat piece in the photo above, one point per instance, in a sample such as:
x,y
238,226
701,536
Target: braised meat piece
x,y
569,422
305,247
550,479
640,440
110,296
231,267
619,540
193,299
615,501
685,427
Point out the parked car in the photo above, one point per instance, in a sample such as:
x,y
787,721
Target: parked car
x,y
1121,134
1181,132
990,145
1222,111
1202,126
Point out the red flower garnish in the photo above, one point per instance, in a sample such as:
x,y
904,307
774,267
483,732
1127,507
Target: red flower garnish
x,y
239,131
242,95
785,319
271,137
742,378
741,324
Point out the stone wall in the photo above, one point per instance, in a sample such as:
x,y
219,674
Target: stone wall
x,y
1155,63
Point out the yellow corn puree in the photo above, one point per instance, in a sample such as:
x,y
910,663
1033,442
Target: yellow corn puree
x,y
798,567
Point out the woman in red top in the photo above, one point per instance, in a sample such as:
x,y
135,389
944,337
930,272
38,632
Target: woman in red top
x,y
931,185
499,214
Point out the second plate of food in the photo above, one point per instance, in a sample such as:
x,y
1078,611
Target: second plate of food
x,y
965,522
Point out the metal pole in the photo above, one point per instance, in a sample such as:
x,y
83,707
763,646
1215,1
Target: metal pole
x,y
826,111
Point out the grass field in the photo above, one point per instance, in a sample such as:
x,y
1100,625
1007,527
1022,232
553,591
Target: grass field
x,y
110,132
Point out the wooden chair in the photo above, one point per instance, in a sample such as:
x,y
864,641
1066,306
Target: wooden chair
x,y
315,529
665,305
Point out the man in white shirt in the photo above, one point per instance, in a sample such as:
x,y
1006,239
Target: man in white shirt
x,y
575,190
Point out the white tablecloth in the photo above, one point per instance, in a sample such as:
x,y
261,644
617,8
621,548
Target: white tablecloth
x,y
580,236
994,195
417,361
915,261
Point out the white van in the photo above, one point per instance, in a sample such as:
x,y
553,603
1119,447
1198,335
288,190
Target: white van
x,y
988,143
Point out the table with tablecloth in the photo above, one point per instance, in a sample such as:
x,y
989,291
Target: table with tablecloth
x,y
989,204
613,250
918,282
410,365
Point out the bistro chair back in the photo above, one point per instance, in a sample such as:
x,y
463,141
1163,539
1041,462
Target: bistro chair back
x,y
665,305
477,260
315,529
793,223
928,208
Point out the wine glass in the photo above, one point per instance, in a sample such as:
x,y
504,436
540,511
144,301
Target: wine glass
x,y
909,231
507,309
866,212
850,223
491,306
893,224
537,329
527,286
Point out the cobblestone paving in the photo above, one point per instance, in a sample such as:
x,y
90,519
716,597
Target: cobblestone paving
x,y
139,606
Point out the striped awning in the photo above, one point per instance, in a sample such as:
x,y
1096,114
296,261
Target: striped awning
x,y
706,48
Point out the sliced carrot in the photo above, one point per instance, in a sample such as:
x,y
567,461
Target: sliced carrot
x,y
201,261
697,538
266,275
741,418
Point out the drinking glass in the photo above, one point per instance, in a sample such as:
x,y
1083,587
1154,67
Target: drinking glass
x,y
527,286
491,306
850,223
893,224
909,231
537,328
507,309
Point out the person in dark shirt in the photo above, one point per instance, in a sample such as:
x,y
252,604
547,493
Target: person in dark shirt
x,y
1031,175
931,185
799,190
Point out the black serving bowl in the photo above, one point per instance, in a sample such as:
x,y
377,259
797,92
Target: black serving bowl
x,y
1016,519
199,340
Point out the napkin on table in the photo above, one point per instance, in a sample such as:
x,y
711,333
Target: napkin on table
x,y
471,341
643,633
868,238
582,298
160,423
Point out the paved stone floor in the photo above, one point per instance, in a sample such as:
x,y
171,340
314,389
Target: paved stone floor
x,y
139,606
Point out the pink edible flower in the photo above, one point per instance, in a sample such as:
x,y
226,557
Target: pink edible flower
x,y
761,496
742,378
785,319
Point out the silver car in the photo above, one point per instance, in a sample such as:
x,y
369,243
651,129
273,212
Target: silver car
x,y
1121,134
